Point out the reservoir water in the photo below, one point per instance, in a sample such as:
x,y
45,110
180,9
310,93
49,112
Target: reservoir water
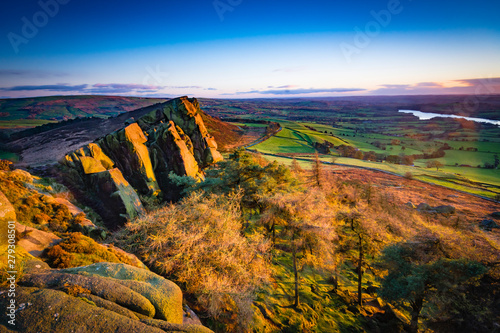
x,y
428,115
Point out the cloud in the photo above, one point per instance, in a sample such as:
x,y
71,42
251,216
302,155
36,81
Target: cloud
x,y
97,89
122,88
211,89
463,86
485,85
395,86
428,84
50,87
159,95
300,91
184,87
283,87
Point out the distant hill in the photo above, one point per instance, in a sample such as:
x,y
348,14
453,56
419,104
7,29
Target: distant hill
x,y
20,113
480,106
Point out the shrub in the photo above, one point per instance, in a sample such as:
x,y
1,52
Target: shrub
x,y
5,165
243,171
59,258
199,244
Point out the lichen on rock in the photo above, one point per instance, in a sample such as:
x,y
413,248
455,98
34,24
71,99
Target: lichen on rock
x,y
127,148
165,295
114,190
102,297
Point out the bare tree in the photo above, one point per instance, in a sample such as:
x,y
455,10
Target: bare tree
x,y
317,171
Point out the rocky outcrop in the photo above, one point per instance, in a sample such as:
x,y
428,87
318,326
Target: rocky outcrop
x,y
186,114
488,225
445,210
424,207
97,298
164,295
93,169
127,148
105,296
114,190
495,215
138,158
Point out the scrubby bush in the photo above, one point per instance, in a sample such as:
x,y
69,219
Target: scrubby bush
x,y
199,244
409,175
59,258
5,165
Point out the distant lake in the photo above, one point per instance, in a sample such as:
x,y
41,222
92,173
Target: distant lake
x,y
429,115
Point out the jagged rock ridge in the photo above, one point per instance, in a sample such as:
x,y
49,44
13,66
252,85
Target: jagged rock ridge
x,y
137,159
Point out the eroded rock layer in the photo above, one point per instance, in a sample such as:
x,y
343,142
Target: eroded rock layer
x,y
137,159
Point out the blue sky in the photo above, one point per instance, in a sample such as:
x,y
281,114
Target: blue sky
x,y
248,49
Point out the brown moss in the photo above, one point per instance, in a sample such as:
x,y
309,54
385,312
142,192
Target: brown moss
x,y
41,218
59,258
35,209
5,165
13,189
75,290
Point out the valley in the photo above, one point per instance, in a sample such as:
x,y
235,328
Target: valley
x,y
381,138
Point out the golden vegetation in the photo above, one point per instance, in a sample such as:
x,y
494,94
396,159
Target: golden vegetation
x,y
32,207
199,242
319,240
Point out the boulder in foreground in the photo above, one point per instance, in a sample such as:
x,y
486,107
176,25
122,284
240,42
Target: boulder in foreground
x,y
103,297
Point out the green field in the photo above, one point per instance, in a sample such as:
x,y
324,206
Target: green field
x,y
23,123
457,157
249,124
297,139
288,141
5,155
